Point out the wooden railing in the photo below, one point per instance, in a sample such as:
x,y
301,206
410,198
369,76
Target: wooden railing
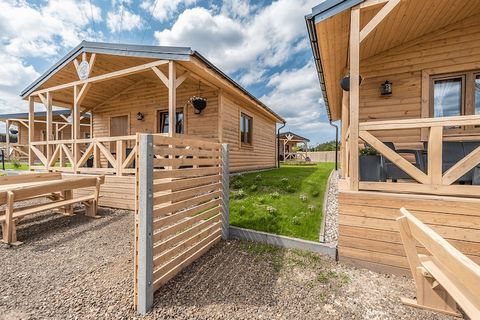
x,y
15,150
115,155
434,181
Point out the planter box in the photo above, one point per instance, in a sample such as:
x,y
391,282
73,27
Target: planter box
x,y
371,168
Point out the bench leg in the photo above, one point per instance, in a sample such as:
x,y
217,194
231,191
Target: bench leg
x,y
68,209
91,209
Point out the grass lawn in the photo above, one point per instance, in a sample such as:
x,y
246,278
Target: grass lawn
x,y
9,165
286,201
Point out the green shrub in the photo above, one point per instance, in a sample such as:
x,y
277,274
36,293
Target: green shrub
x,y
284,181
253,188
315,193
290,189
258,177
16,163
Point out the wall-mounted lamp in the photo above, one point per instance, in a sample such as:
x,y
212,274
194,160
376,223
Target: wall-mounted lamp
x,y
140,116
386,88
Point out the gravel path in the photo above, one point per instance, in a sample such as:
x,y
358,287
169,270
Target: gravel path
x,y
331,212
81,268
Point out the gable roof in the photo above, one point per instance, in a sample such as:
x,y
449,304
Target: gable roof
x,y
139,51
284,135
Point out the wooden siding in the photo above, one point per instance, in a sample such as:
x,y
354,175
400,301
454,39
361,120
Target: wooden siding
x,y
454,48
262,153
369,236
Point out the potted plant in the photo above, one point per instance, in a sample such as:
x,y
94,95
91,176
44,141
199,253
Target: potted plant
x,y
198,103
371,165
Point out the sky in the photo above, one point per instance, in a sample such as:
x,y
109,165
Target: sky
x,y
263,45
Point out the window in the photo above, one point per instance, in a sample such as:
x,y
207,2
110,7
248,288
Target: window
x,y
455,95
246,125
163,122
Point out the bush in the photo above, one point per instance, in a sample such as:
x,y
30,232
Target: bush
x,y
253,188
16,163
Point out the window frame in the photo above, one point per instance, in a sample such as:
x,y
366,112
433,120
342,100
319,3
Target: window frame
x,y
161,122
246,135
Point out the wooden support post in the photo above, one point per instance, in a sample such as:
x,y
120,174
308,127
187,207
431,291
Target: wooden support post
x,y
68,209
225,192
172,97
144,258
345,124
91,124
31,128
221,102
76,128
48,128
354,95
121,149
9,234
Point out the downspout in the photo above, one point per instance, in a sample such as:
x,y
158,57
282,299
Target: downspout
x,y
336,144
278,144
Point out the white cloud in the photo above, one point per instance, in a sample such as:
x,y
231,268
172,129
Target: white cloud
x,y
26,30
123,20
163,10
264,39
297,97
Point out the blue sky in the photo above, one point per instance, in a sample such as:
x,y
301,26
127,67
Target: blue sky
x,y
263,45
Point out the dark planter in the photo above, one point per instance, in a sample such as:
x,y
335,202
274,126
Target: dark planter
x,y
199,104
13,131
371,168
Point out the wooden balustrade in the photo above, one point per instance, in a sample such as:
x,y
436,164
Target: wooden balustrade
x,y
434,180
97,155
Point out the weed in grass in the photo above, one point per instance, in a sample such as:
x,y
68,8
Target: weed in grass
x,y
311,207
303,197
272,210
240,194
325,276
242,210
258,177
315,193
296,221
253,188
262,200
284,181
290,189
322,297
275,195
235,183
16,163
309,256
344,278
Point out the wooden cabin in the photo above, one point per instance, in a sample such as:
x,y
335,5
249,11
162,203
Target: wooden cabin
x,y
403,77
16,124
132,89
290,143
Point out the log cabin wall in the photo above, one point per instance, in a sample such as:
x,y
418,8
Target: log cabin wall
x,y
453,48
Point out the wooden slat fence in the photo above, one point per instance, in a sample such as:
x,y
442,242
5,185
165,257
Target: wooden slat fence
x,y
182,207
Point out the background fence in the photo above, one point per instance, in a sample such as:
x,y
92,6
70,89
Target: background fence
x,y
322,156
182,208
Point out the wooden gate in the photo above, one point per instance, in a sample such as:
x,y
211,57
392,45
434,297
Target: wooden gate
x,y
182,207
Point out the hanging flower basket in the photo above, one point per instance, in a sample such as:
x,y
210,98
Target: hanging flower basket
x,y
198,103
13,131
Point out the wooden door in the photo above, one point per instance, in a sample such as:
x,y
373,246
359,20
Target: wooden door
x,y
118,127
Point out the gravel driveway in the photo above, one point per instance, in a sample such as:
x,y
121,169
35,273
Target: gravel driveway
x,y
81,268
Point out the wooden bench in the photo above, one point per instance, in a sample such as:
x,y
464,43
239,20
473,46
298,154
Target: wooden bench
x,y
43,185
444,278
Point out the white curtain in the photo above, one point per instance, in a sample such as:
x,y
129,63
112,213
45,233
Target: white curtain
x,y
447,95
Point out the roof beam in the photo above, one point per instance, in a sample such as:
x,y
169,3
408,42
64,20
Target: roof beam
x,y
382,14
105,77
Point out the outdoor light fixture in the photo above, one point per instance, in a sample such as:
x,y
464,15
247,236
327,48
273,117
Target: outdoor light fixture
x,y
345,82
140,116
198,102
386,88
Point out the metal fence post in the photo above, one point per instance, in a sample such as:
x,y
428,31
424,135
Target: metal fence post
x,y
145,224
225,192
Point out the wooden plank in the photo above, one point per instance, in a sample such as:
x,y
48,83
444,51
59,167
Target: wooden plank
x,y
39,155
164,210
185,173
354,96
463,166
448,190
184,194
186,162
30,177
164,151
161,76
172,99
378,18
417,123
181,141
183,183
165,221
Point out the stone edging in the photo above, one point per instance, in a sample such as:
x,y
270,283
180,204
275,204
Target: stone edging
x,y
324,208
281,241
